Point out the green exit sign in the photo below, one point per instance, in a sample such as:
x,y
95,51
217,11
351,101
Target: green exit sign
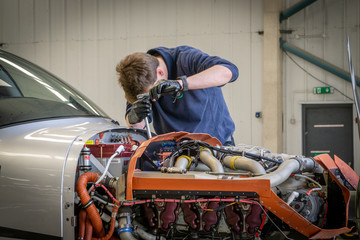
x,y
323,90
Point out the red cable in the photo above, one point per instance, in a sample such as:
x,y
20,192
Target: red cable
x,y
109,193
262,222
131,203
326,209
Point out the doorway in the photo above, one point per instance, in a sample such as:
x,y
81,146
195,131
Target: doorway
x,y
328,128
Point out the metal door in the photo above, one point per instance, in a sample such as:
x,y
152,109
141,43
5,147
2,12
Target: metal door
x,y
328,128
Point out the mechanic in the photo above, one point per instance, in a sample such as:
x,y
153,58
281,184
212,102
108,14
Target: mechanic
x,y
184,85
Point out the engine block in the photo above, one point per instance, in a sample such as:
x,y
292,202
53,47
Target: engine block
x,y
188,186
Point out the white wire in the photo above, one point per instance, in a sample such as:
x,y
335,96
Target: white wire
x,y
272,221
117,152
310,179
317,78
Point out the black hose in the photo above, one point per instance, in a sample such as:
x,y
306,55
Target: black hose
x,y
256,157
196,143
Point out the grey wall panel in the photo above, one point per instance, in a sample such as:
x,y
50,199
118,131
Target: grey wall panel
x,y
81,41
10,21
320,29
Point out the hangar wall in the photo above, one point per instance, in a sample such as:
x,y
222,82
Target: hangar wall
x,y
320,29
81,41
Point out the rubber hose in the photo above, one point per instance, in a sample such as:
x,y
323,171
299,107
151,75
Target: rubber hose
x,y
85,198
112,225
82,222
88,229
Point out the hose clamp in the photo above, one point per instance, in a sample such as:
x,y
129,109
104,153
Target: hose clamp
x,y
232,162
188,158
316,164
124,214
301,162
88,204
125,229
206,149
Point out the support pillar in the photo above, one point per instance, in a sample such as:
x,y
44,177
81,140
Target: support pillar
x,y
272,81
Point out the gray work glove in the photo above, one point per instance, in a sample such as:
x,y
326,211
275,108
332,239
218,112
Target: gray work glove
x,y
139,110
164,87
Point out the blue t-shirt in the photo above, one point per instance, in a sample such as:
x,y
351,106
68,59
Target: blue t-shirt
x,y
197,111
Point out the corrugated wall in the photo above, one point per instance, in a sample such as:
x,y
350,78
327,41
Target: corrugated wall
x,y
81,41
321,29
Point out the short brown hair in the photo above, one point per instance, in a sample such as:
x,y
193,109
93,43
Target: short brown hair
x,y
137,72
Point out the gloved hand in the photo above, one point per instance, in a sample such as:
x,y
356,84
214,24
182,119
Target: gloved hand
x,y
139,110
164,87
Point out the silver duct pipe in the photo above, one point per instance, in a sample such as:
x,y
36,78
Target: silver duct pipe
x,y
202,167
181,165
283,172
125,231
182,162
139,230
288,167
145,235
209,160
243,163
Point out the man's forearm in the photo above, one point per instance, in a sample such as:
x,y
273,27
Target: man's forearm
x,y
217,75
